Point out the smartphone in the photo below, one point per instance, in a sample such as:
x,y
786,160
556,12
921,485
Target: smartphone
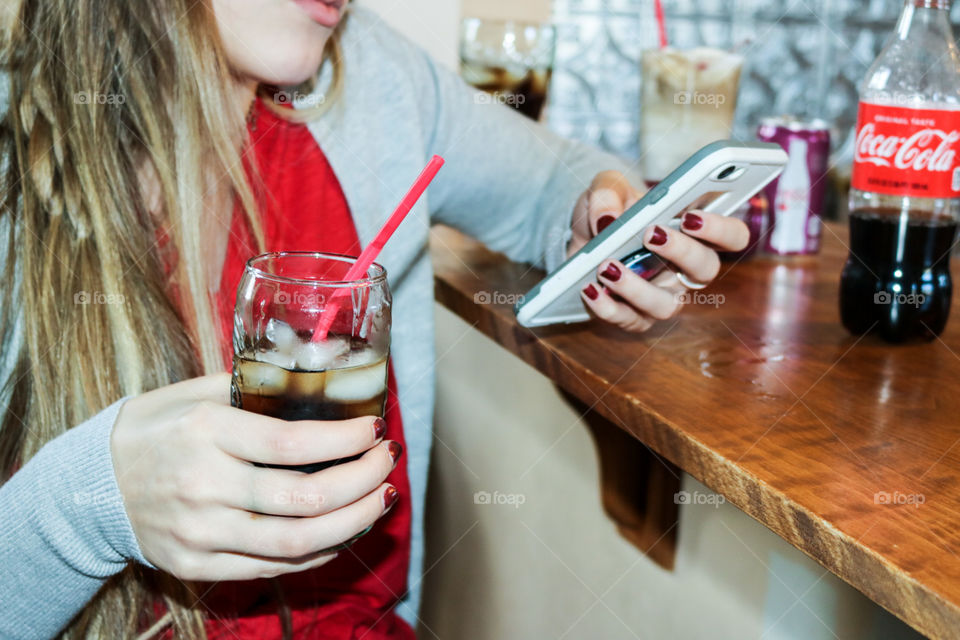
x,y
717,179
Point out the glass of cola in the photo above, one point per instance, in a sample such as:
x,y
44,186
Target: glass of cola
x,y
284,368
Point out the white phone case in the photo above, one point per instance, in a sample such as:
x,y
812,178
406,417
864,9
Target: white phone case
x,y
717,179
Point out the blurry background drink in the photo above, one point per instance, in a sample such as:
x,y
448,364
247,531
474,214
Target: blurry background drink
x,y
797,196
511,61
279,371
688,100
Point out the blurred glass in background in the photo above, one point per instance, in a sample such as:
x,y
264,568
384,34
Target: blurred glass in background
x,y
688,100
511,61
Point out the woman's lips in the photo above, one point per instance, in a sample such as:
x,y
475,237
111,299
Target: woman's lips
x,y
325,12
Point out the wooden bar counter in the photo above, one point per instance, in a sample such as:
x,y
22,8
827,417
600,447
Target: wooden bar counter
x,y
848,448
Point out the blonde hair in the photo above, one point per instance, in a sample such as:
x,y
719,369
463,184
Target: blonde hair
x,y
106,98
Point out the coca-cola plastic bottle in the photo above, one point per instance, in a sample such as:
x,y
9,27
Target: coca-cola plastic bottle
x,y
906,181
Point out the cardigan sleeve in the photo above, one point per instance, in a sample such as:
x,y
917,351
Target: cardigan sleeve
x,y
64,530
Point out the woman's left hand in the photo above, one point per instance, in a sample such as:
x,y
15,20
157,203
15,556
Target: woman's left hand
x,y
623,298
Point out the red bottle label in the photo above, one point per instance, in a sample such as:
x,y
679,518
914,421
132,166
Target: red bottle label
x,y
907,152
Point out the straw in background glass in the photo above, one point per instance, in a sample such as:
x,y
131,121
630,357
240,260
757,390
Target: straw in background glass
x,y
661,23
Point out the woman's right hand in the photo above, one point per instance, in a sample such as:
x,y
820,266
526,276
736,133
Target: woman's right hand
x,y
202,511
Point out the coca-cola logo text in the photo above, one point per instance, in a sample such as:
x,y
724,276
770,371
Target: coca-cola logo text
x,y
904,151
925,150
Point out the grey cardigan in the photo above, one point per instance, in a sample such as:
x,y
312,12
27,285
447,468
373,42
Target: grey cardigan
x,y
508,182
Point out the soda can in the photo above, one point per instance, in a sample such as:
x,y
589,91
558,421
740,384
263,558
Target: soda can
x,y
754,213
796,198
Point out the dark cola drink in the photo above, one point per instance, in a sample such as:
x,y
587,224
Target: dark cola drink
x,y
339,379
510,61
524,90
896,282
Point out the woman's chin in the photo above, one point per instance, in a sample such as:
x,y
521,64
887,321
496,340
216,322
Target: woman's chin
x,y
291,79
289,72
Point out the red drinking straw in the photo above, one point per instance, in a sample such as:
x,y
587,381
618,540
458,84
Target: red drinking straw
x,y
661,23
359,268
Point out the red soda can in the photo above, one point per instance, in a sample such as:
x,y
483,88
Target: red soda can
x,y
797,196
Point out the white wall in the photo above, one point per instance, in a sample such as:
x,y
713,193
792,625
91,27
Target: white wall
x,y
529,10
555,567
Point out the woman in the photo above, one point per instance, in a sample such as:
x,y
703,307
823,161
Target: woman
x,y
143,169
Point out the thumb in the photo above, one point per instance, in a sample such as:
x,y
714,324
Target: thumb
x,y
609,196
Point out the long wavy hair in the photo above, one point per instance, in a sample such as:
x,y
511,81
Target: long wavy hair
x,y
121,126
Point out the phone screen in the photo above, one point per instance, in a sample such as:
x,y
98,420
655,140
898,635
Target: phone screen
x,y
645,264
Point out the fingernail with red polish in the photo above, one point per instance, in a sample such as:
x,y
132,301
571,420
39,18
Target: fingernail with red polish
x,y
390,497
692,222
659,237
394,449
379,428
591,292
612,272
604,222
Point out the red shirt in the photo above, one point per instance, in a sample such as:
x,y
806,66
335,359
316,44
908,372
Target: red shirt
x,y
304,208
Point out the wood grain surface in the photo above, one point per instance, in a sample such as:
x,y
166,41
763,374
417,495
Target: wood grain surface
x,y
846,447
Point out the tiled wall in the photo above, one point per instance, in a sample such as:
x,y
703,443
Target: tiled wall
x,y
804,57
